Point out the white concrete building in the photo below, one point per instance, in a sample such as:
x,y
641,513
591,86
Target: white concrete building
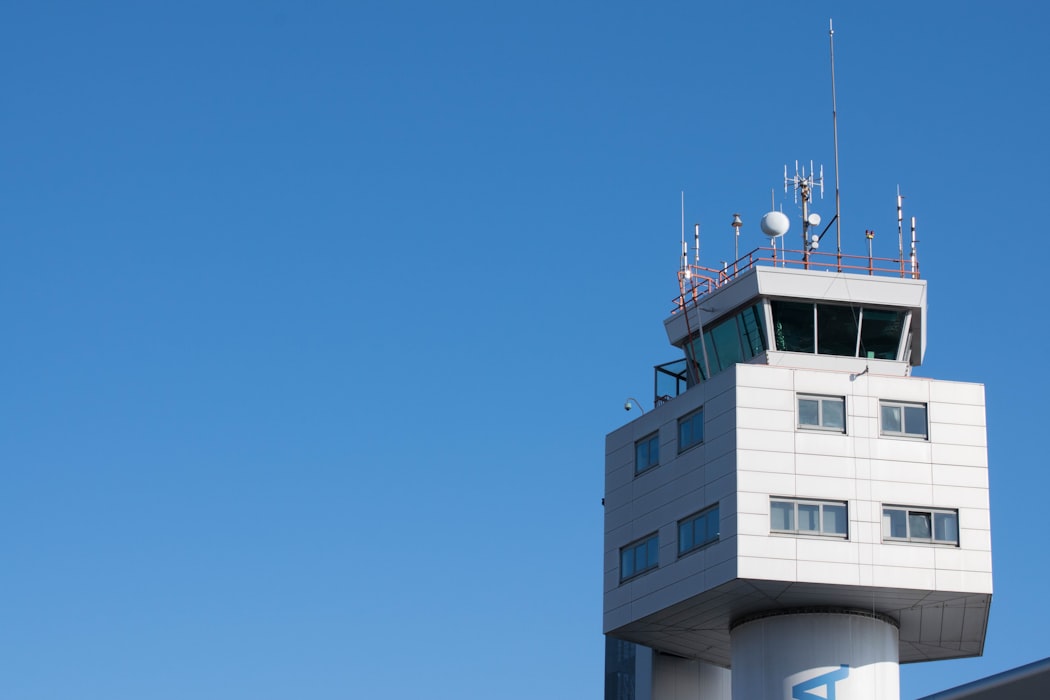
x,y
798,514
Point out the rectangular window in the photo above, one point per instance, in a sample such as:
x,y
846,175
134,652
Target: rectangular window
x,y
805,517
903,419
639,557
691,430
904,524
793,326
880,333
737,338
822,412
698,530
646,453
836,330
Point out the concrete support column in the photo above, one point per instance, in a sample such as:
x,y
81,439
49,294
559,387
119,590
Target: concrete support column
x,y
815,654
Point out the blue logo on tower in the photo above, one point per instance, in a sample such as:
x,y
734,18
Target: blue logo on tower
x,y
803,691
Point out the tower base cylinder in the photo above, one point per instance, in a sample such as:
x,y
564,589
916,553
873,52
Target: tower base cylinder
x,y
815,654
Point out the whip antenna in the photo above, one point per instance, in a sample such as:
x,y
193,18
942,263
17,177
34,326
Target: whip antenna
x,y
835,131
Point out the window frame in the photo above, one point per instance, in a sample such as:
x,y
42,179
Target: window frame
x,y
820,503
909,511
691,520
819,426
903,433
691,418
649,441
653,539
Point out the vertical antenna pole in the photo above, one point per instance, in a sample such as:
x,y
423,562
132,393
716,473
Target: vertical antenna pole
x,y
696,245
914,258
685,250
900,229
835,131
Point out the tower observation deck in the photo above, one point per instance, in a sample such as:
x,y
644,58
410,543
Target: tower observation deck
x,y
797,514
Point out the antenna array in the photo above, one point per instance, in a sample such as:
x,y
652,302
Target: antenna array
x,y
802,186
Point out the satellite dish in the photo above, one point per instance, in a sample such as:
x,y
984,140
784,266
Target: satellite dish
x,y
814,219
775,224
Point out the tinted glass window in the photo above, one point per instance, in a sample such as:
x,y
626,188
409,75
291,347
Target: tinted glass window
x,y
891,419
946,527
793,326
834,413
690,430
915,420
880,333
836,330
752,332
782,515
835,519
808,517
646,453
919,525
639,557
727,344
809,412
698,530
895,523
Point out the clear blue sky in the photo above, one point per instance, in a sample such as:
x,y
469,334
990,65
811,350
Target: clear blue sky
x,y
314,318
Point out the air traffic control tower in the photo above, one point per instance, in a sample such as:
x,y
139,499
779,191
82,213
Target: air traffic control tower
x,y
798,514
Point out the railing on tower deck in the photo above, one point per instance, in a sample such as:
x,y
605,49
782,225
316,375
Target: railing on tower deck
x,y
696,281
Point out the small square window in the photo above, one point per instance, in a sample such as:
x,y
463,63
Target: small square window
x,y
698,530
690,430
822,413
646,453
639,557
903,419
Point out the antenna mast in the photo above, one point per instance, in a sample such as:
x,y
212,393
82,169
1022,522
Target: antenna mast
x,y
685,250
835,131
803,184
900,228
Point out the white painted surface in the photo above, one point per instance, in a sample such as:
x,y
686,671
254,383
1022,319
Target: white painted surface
x,y
774,655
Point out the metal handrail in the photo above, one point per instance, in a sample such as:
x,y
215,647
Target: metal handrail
x,y
697,281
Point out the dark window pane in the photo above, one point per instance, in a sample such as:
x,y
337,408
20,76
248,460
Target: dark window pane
x,y
752,332
919,525
835,520
895,523
808,517
653,549
691,430
641,558
880,333
646,453
915,420
782,515
727,343
626,563
712,356
946,527
685,537
793,326
891,419
808,412
713,528
833,414
695,355
836,330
